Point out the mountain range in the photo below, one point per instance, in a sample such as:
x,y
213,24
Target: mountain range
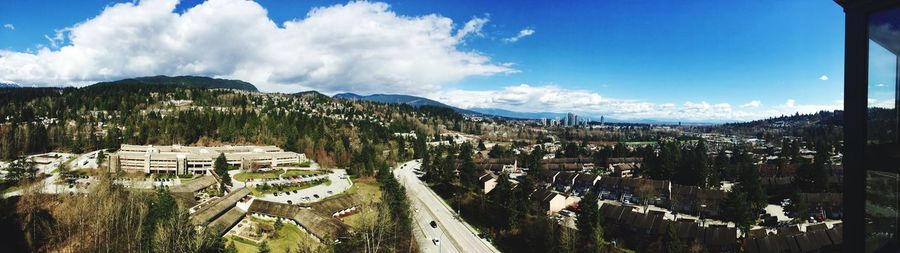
x,y
8,85
189,81
420,101
402,99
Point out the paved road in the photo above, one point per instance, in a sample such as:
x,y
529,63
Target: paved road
x,y
455,235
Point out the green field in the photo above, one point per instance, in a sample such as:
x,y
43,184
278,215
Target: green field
x,y
288,239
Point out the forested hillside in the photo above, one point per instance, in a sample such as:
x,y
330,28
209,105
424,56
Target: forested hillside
x,y
354,135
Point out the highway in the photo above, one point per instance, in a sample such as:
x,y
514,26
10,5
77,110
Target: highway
x,y
454,234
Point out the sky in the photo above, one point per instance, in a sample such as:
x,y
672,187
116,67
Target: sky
x,y
673,60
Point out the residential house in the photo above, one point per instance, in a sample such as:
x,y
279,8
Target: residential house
x,y
487,182
565,181
550,201
585,183
609,187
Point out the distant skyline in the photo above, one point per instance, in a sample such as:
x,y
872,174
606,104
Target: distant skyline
x,y
702,61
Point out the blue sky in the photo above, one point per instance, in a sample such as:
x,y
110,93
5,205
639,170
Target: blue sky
x,y
691,58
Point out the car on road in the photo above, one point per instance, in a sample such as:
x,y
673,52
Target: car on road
x,y
316,195
433,224
436,241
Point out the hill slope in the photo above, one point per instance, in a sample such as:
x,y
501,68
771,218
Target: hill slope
x,y
402,99
189,81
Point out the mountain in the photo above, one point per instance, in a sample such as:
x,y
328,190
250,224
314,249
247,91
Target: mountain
x,y
9,85
519,115
392,99
189,81
311,93
402,99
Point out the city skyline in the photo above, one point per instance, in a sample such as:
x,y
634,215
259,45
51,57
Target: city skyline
x,y
697,62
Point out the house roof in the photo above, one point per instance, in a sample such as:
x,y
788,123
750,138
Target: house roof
x,y
543,195
547,175
836,234
687,230
835,199
227,220
321,226
623,167
685,191
486,178
333,205
777,181
211,211
566,177
609,182
766,244
719,236
586,179
496,161
564,166
613,213
490,166
613,160
195,185
572,160
789,230
634,183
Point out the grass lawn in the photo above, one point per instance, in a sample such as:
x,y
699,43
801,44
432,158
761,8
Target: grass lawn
x,y
367,188
288,238
273,174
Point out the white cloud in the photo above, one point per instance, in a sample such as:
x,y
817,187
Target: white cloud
x,y
9,26
360,46
522,34
790,103
823,78
752,104
551,98
472,27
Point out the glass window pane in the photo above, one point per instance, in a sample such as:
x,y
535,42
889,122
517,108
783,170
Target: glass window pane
x,y
882,153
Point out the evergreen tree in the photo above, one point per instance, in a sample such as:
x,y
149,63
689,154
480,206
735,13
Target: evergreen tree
x,y
590,224
672,243
10,149
220,166
264,247
735,209
468,174
231,248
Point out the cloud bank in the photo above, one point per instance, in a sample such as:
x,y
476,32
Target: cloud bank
x,y
359,46
552,98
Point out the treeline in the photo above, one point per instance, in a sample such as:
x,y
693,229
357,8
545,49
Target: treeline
x,y
334,133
